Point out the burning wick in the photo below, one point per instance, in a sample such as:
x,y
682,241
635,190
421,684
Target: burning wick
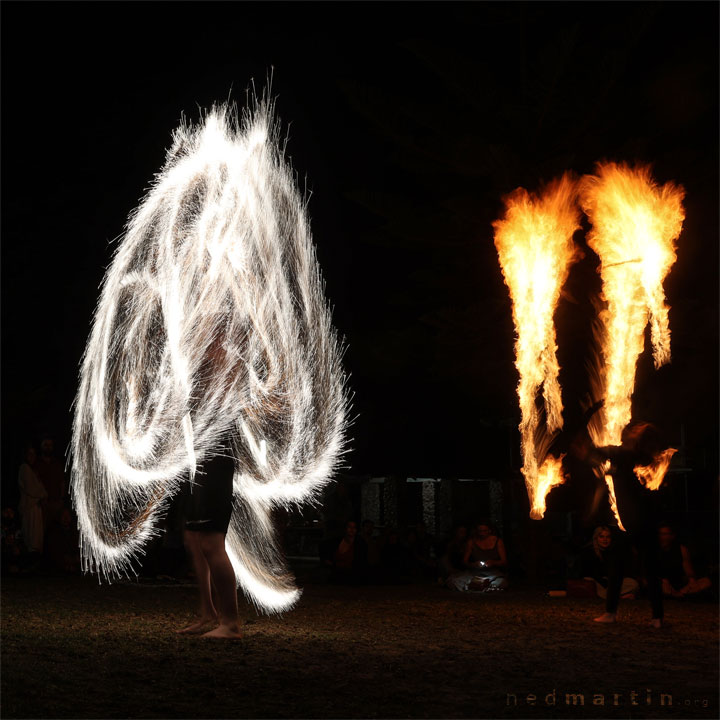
x,y
632,218
535,248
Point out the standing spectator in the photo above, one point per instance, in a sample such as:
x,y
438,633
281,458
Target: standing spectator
x,y
32,499
51,474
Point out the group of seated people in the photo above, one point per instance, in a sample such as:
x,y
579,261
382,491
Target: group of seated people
x,y
360,555
677,573
474,561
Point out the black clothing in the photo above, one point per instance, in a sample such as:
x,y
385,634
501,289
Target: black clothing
x,y
595,567
207,503
670,566
636,506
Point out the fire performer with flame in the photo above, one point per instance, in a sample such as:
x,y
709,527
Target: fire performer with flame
x,y
635,503
212,365
635,224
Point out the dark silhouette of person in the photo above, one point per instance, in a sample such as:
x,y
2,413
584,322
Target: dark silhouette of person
x,y
677,573
51,473
32,501
207,505
637,509
350,558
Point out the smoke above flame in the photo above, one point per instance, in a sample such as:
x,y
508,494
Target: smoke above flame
x,y
535,248
635,224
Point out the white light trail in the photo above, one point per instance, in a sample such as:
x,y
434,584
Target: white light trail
x,y
212,319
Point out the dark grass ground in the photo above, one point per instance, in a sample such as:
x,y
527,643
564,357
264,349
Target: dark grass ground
x,y
74,649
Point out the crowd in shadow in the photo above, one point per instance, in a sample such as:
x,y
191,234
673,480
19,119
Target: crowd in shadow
x,y
467,561
364,555
40,534
474,558
668,561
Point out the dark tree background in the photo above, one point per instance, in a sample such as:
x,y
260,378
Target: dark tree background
x,y
408,122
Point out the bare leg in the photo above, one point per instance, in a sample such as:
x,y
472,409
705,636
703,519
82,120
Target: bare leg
x,y
223,580
207,613
695,586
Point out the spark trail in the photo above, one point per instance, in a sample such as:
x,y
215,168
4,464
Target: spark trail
x,y
535,248
635,225
212,320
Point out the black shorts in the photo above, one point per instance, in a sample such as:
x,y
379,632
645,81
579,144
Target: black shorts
x,y
207,502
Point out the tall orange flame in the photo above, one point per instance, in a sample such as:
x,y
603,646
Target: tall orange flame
x,y
535,248
635,224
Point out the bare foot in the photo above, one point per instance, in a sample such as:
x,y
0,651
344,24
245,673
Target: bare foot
x,y
656,623
198,626
228,632
606,618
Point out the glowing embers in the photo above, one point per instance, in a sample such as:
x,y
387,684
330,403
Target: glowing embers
x,y
535,248
211,321
635,224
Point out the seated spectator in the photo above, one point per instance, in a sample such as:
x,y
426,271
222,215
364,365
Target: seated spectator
x,y
677,573
595,562
349,560
451,559
485,562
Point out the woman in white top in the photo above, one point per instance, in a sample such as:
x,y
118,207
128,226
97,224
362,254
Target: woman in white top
x,y
32,498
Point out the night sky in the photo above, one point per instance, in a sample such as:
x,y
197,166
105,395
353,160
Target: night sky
x,y
407,122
